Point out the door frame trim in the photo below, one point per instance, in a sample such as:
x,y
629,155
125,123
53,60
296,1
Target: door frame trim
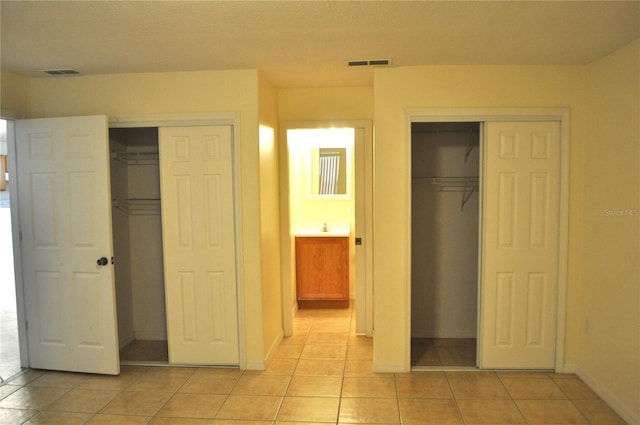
x,y
202,119
561,115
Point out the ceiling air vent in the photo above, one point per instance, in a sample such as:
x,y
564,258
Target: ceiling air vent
x,y
61,72
369,62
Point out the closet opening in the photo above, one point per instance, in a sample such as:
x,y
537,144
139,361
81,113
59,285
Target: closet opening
x,y
137,245
445,164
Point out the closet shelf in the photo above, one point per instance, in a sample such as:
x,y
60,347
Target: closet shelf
x,y
465,184
136,158
138,206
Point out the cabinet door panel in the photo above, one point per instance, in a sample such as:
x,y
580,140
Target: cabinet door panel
x,y
322,268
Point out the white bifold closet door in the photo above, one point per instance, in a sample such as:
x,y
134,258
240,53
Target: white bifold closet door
x,y
199,244
520,244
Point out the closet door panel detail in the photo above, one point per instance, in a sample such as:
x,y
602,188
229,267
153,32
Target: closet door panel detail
x,y
522,181
198,233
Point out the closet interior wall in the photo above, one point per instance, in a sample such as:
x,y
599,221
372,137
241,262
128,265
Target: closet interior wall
x,y
137,235
444,271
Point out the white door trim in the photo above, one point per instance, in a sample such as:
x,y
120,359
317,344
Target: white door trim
x,y
499,114
198,119
365,294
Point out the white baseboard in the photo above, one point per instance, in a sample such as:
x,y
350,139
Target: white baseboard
x,y
381,367
256,365
273,348
567,368
614,402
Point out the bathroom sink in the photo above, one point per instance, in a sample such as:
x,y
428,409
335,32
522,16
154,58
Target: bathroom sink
x,y
320,232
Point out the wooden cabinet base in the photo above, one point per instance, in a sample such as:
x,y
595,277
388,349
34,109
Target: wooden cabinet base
x,y
322,272
313,304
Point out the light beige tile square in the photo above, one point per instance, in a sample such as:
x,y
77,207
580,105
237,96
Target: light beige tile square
x,y
309,409
26,377
331,325
160,382
102,419
233,422
324,352
183,405
369,410
575,389
86,400
59,380
58,418
424,412
142,403
598,412
432,385
318,386
360,352
298,338
15,416
128,375
35,398
274,385
206,383
550,412
288,351
179,421
477,387
322,337
490,412
7,389
533,389
383,387
359,368
261,408
277,367
308,367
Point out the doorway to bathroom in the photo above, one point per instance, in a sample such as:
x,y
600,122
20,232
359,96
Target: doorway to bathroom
x,y
346,210
444,243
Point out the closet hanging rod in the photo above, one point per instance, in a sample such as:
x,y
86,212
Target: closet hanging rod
x,y
137,158
460,181
137,206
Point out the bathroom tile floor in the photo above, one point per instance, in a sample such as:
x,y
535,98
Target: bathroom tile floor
x,y
320,375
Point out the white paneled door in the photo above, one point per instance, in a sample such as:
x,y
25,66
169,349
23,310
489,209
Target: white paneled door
x,y
199,244
65,224
520,245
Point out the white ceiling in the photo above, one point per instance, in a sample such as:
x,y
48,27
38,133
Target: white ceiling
x,y
305,43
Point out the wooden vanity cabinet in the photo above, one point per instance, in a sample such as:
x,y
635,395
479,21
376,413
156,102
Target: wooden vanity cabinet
x,y
322,271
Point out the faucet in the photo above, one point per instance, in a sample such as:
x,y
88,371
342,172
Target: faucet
x,y
324,227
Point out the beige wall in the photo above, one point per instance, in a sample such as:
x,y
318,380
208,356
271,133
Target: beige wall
x,y
395,90
325,104
182,92
609,350
270,216
14,95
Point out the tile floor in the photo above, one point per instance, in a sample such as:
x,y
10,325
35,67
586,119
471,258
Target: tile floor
x,y
458,352
320,375
145,351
